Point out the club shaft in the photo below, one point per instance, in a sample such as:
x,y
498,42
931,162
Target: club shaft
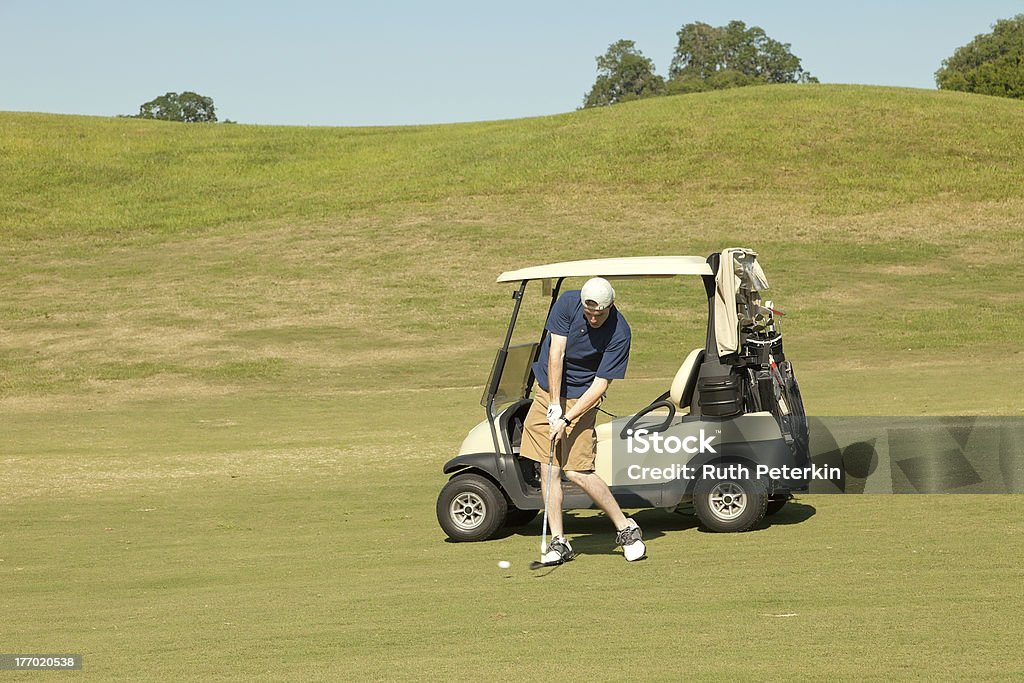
x,y
547,497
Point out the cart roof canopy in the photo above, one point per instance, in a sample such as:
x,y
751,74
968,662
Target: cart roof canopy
x,y
631,266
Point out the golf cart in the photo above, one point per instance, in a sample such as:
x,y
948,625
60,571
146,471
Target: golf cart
x,y
738,387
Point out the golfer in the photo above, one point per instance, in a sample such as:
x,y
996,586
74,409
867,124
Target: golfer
x,y
587,346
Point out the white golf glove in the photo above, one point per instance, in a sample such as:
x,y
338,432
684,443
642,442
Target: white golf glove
x,y
554,413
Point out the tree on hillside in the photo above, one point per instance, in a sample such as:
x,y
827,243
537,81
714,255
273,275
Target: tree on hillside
x,y
188,107
991,64
623,74
712,57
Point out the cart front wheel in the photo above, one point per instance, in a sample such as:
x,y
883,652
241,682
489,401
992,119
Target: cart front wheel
x,y
471,508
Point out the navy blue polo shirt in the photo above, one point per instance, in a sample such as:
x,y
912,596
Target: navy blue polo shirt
x,y
589,351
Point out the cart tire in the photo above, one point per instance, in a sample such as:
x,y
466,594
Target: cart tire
x,y
728,505
471,508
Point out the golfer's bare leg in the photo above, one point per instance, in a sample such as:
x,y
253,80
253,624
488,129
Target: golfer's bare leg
x,y
599,492
555,502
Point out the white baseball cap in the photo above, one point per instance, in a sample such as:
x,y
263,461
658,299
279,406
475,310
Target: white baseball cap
x,y
598,290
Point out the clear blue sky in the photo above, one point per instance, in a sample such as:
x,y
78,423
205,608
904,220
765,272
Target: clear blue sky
x,y
309,62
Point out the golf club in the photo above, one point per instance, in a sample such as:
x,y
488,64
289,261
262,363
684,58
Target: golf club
x,y
544,528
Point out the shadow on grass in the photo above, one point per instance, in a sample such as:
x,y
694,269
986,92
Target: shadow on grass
x,y
791,513
595,534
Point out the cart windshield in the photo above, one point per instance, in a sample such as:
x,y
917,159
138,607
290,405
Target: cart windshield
x,y
509,378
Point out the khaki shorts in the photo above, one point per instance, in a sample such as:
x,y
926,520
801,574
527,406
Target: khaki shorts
x,y
575,452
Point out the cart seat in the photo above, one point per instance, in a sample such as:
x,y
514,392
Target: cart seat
x,y
685,380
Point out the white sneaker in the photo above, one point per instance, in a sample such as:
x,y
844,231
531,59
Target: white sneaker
x,y
631,539
558,551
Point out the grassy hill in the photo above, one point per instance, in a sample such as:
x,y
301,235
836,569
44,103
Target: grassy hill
x,y
233,359
858,197
820,151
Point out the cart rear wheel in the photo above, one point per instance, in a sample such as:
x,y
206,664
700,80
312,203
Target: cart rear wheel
x,y
726,505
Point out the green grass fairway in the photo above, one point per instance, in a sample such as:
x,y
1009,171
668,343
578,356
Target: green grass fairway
x,y
233,360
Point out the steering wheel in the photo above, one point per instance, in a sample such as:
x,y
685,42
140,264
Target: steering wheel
x,y
660,403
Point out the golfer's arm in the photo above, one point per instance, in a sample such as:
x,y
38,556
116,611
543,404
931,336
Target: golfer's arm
x,y
590,398
556,364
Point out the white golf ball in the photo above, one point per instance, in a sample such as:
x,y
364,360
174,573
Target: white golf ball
x,y
504,564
